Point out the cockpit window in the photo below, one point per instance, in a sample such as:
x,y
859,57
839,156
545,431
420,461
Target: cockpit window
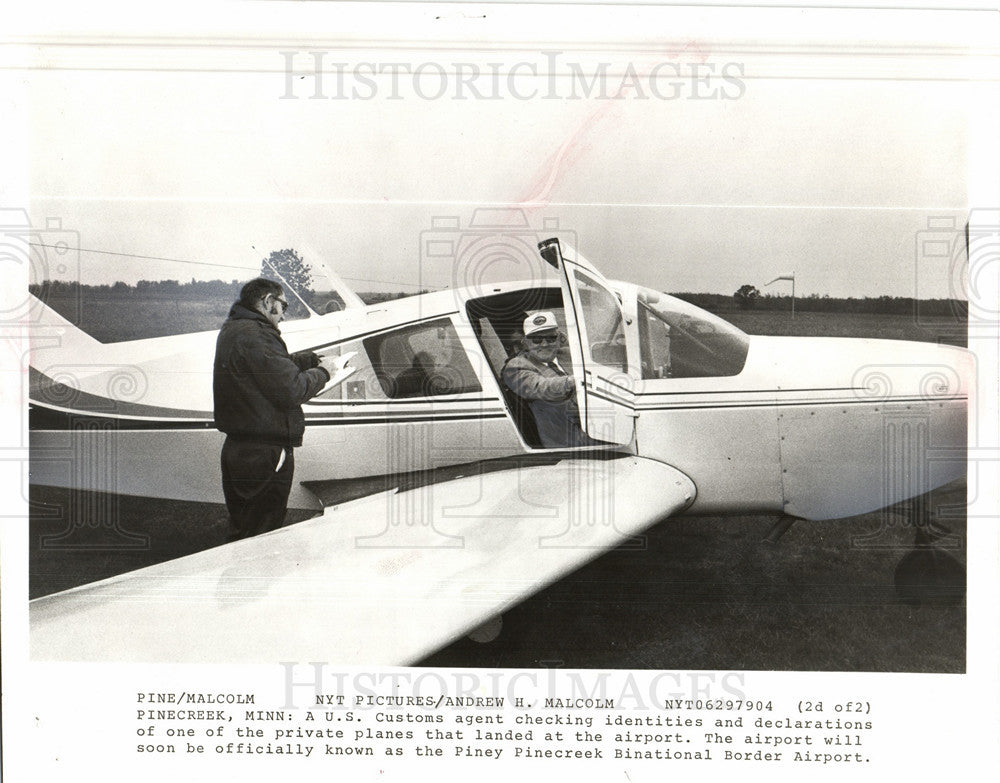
x,y
426,360
679,340
321,302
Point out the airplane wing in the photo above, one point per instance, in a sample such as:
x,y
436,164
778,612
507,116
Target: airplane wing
x,y
382,580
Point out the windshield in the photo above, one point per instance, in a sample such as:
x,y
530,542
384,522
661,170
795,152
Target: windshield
x,y
679,340
601,323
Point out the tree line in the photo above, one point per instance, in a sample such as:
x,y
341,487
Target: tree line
x,y
228,291
171,291
291,269
749,298
144,289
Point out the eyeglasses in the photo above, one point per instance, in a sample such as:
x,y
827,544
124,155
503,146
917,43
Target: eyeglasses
x,y
547,340
283,303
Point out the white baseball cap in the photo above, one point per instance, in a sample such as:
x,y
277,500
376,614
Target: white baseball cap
x,y
542,321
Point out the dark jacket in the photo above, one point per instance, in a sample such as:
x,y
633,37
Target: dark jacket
x,y
552,399
259,387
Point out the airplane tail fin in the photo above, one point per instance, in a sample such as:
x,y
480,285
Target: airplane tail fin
x,y
325,280
61,353
345,292
49,328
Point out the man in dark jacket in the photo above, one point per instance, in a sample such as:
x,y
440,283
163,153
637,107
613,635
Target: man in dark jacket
x,y
259,389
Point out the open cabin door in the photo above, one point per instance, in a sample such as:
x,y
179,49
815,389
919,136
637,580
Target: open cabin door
x,y
595,328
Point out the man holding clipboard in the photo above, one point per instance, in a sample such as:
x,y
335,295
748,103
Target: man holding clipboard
x,y
259,389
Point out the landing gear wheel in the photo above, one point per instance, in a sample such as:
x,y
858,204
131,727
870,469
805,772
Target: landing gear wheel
x,y
927,574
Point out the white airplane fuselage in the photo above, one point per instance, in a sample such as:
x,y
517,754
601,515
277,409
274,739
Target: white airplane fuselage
x,y
813,427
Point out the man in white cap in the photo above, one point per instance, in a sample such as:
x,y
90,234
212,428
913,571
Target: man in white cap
x,y
536,376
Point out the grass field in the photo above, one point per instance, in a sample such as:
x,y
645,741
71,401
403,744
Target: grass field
x,y
114,320
889,327
704,593
707,594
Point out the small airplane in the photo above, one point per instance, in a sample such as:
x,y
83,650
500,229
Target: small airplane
x,y
439,507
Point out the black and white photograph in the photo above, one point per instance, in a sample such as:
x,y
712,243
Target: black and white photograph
x,y
416,388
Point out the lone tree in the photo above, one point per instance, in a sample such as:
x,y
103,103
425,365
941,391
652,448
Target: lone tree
x,y
290,266
290,269
746,296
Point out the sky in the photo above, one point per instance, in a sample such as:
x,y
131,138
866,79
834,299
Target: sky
x,y
708,152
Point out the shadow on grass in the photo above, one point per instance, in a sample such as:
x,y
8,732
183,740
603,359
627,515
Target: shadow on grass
x,y
704,593
78,537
